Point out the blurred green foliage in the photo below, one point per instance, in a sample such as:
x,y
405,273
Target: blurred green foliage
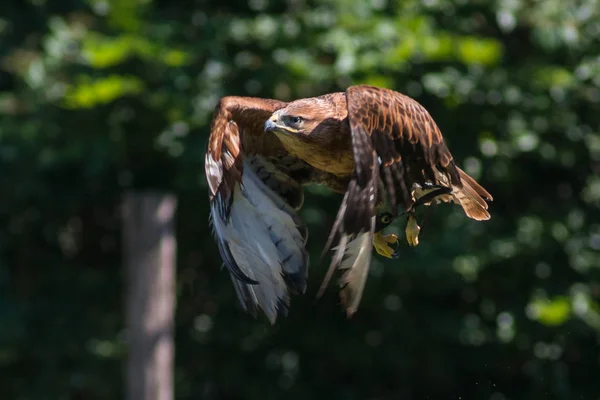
x,y
100,96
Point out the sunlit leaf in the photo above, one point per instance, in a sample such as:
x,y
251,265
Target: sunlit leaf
x,y
552,312
479,51
90,93
176,58
549,77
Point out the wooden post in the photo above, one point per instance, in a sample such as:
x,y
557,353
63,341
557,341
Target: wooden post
x,y
149,254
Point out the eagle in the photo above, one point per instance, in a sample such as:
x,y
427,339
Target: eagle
x,y
379,148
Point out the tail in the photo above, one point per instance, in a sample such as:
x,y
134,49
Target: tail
x,y
472,197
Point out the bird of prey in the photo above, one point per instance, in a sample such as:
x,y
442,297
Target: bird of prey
x,y
379,148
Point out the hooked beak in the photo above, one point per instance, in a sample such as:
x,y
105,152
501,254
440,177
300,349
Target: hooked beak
x,y
270,124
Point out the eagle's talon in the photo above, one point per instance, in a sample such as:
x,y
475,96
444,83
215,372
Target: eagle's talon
x,y
382,243
412,230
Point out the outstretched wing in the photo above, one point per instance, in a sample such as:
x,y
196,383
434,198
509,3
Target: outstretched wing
x,y
253,196
410,149
398,149
408,143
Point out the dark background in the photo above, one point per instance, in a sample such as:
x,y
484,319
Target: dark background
x,y
101,96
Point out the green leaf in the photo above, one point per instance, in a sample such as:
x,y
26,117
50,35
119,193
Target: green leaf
x,y
90,93
551,312
473,50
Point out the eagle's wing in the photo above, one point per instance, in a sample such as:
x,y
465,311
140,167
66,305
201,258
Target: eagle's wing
x,y
398,148
253,197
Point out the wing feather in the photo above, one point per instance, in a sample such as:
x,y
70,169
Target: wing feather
x,y
355,226
260,238
410,144
409,152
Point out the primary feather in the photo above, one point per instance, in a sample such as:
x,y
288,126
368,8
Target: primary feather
x,y
262,246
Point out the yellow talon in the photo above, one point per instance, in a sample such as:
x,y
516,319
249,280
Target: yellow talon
x,y
412,230
381,243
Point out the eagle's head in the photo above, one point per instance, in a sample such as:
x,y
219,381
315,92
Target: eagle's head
x,y
316,130
282,123
306,117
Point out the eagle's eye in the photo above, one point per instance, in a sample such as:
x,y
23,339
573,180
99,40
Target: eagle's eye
x,y
385,218
296,120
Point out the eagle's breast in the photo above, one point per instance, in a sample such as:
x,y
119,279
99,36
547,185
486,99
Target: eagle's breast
x,y
329,151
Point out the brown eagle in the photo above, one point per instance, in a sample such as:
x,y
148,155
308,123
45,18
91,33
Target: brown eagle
x,y
378,147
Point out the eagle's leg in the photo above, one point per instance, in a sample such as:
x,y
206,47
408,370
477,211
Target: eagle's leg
x,y
382,243
412,229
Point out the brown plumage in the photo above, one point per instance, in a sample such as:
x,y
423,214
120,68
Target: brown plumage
x,y
375,145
